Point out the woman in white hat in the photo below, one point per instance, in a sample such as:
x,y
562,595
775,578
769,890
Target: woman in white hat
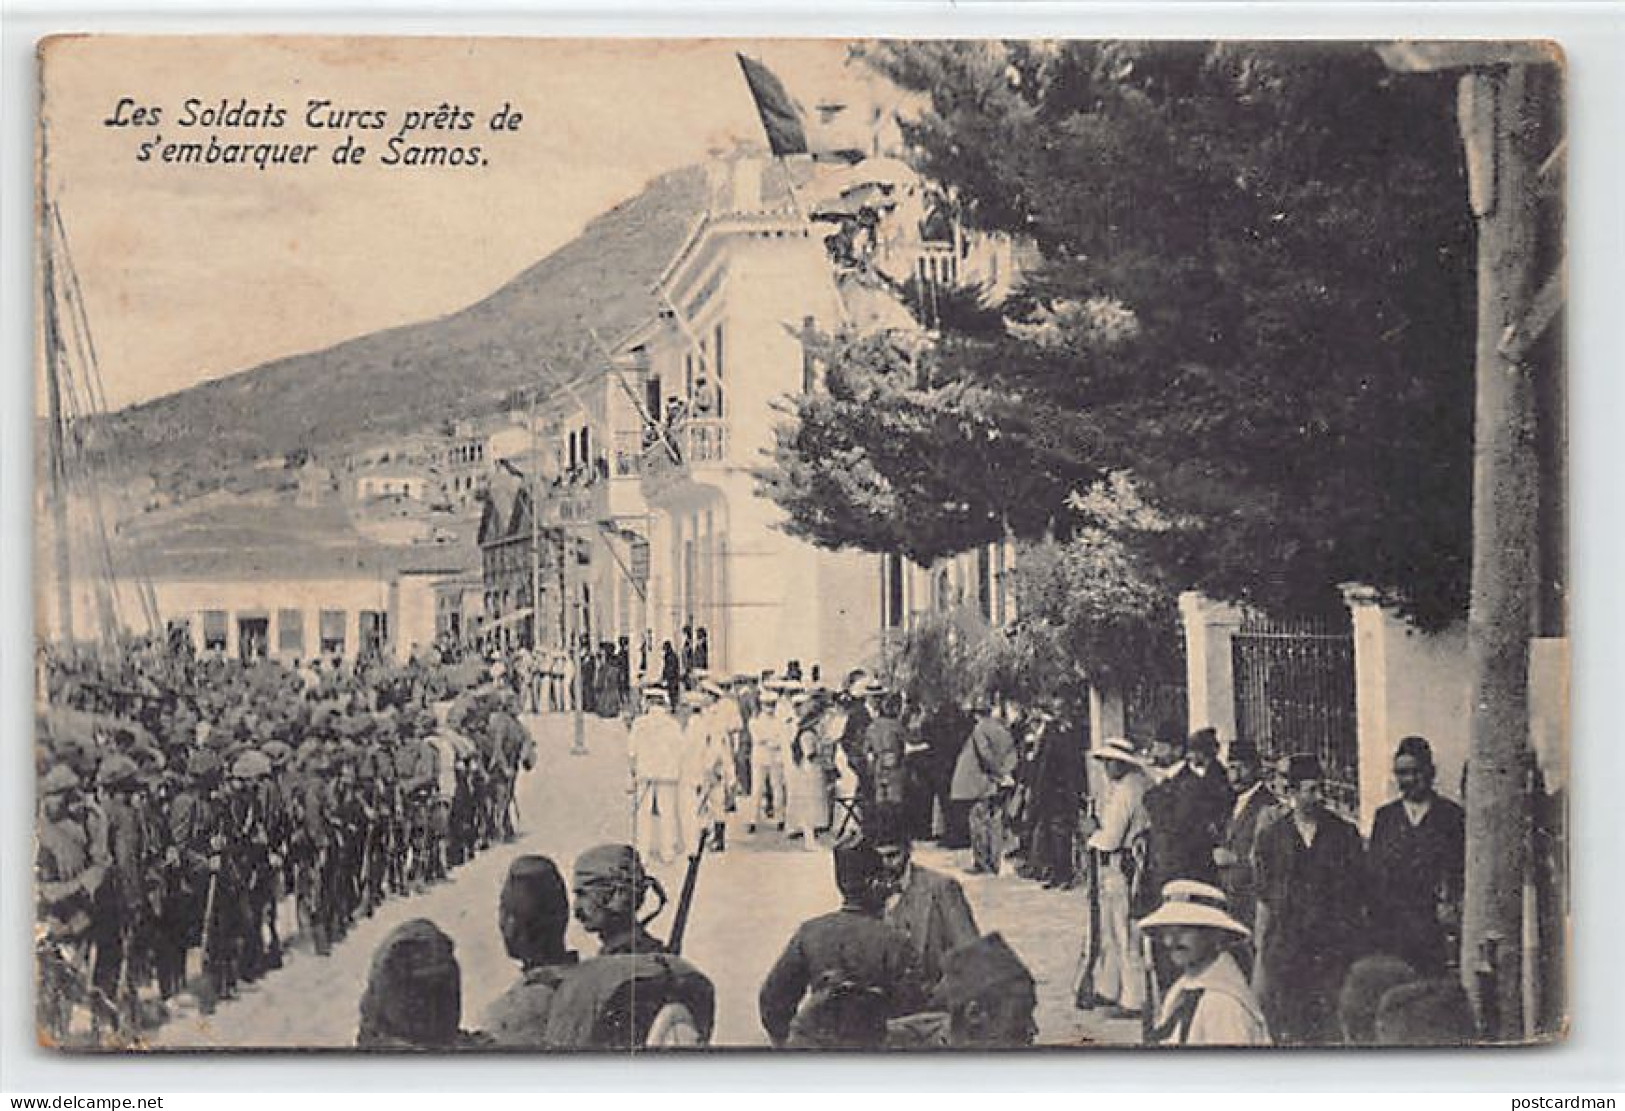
x,y
1211,1002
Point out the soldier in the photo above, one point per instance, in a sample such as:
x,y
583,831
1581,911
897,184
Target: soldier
x,y
844,974
68,883
634,993
532,915
120,913
414,995
987,997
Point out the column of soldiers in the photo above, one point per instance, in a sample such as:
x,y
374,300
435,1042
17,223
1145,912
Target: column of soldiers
x,y
183,801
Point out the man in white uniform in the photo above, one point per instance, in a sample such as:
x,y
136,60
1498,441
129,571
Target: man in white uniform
x,y
770,739
656,744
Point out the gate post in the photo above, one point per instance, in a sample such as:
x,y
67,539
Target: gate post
x,y
1210,681
1406,681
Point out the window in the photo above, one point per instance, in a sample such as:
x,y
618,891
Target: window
x,y
290,632
214,630
893,582
716,346
332,624
984,581
651,396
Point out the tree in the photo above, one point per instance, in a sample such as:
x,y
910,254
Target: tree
x,y
1254,293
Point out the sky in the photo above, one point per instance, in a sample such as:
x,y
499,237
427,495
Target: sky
x,y
193,272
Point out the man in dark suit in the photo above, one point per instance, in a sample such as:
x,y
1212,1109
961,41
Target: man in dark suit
x,y
928,906
1187,813
1255,807
1311,911
1416,860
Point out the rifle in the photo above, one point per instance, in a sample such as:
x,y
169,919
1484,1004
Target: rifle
x,y
691,878
1083,990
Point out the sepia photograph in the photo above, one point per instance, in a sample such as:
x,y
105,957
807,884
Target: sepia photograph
x,y
552,545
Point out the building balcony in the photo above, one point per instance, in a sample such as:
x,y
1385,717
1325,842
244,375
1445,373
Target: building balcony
x,y
695,446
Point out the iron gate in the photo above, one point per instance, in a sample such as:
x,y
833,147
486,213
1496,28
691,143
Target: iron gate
x,y
1294,684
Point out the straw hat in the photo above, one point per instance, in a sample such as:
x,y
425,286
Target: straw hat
x,y
1121,750
1189,903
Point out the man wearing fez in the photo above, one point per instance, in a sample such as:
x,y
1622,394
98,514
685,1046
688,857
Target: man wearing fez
x,y
1311,910
1255,806
927,906
842,975
1416,860
634,993
533,913
1187,812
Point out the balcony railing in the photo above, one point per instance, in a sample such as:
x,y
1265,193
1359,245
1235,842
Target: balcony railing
x,y
695,441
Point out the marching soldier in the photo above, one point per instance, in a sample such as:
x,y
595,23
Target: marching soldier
x,y
68,882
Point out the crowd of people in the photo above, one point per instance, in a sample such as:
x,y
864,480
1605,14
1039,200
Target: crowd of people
x,y
184,797
1236,907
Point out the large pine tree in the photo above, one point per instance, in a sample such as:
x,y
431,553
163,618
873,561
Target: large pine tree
x,y
1253,293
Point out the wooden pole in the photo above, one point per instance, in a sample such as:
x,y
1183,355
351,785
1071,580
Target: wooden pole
x,y
52,341
1497,119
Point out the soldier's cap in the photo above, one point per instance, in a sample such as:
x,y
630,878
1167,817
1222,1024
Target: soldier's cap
x,y
1301,766
117,770
1189,903
711,687
609,863
59,780
655,694
975,969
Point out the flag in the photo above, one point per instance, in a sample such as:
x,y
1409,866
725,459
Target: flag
x,y
832,137
781,119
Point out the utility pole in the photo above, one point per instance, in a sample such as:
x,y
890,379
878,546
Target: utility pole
x,y
535,534
578,743
1499,112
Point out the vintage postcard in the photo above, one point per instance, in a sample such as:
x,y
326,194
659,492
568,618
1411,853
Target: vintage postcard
x,y
558,545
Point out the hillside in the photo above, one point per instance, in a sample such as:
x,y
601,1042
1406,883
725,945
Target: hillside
x,y
419,374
